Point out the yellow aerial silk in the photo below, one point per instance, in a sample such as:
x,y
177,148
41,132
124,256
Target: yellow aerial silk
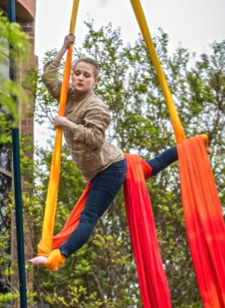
x,y
178,129
44,247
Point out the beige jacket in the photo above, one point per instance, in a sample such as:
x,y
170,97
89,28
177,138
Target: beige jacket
x,y
88,147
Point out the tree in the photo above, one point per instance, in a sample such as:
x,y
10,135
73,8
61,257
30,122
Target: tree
x,y
102,273
14,45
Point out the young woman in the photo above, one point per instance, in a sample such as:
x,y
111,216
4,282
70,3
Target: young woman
x,y
85,123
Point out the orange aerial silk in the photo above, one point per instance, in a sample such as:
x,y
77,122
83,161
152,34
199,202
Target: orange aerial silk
x,y
44,247
204,221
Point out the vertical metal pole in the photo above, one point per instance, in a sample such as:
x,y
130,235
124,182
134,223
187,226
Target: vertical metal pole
x,y
17,184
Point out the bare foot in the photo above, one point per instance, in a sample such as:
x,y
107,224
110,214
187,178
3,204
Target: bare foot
x,y
38,260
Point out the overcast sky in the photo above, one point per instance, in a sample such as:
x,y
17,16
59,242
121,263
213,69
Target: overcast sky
x,y
193,23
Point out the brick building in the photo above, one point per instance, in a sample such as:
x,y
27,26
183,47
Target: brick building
x,y
25,16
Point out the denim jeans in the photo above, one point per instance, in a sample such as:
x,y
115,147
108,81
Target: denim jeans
x,y
103,190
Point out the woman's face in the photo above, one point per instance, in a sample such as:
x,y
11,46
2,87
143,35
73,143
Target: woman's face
x,y
83,77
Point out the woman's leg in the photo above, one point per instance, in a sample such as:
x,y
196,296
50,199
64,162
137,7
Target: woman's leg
x,y
163,160
104,187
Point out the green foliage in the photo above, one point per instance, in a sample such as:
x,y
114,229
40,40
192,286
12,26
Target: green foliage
x,y
14,49
6,299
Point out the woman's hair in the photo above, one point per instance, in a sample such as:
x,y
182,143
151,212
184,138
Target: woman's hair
x,y
88,61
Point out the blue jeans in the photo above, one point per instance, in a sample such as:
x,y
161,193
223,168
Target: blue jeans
x,y
103,190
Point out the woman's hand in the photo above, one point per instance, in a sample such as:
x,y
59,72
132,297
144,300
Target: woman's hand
x,y
63,122
69,39
38,260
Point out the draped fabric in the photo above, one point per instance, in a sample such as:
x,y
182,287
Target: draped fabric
x,y
44,247
45,244
204,221
152,279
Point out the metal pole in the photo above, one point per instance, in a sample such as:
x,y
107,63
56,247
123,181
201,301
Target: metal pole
x,y
17,184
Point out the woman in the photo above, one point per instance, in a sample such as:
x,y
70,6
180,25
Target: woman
x,y
85,123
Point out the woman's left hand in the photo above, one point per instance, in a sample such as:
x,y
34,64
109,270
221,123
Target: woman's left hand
x,y
62,122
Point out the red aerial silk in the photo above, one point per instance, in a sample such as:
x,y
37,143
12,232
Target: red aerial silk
x,y
152,279
204,221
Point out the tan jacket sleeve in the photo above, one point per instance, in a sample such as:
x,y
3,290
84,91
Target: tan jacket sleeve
x,y
95,122
51,79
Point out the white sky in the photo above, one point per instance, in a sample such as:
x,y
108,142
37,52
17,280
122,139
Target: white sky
x,y
193,23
